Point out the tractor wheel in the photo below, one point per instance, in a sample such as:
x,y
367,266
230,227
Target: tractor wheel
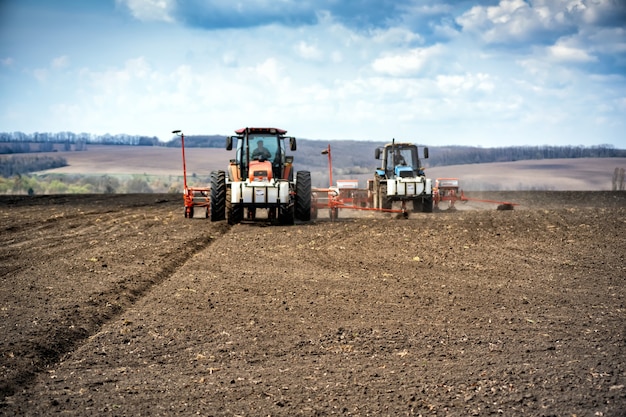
x,y
235,214
190,215
418,206
286,215
235,211
303,196
218,196
427,205
385,202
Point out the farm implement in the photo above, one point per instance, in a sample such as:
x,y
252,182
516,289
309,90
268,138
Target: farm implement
x,y
447,190
193,196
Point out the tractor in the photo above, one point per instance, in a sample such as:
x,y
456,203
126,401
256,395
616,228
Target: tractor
x,y
261,177
400,177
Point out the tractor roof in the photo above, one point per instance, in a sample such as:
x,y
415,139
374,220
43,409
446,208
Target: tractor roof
x,y
401,145
270,130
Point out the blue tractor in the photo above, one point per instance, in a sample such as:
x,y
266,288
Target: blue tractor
x,y
401,178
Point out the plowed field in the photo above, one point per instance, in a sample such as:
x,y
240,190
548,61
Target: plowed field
x,y
118,305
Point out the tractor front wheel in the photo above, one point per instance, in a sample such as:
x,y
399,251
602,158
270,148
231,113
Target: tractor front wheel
x,y
235,211
427,205
286,215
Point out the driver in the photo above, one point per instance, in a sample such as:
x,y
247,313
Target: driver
x,y
398,159
260,152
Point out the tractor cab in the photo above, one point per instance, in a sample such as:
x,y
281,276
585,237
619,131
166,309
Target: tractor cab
x,y
260,155
399,160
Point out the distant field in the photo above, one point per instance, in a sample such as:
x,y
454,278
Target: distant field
x,y
549,174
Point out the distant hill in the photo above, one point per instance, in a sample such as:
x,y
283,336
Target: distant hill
x,y
350,155
545,167
546,174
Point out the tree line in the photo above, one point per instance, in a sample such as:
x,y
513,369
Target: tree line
x,y
72,138
17,165
459,155
350,155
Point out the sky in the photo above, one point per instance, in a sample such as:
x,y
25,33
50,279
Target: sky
x,y
433,72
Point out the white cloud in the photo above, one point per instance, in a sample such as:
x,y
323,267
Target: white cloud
x,y
396,36
511,20
408,63
270,70
41,74
150,10
7,62
60,62
561,52
308,51
456,84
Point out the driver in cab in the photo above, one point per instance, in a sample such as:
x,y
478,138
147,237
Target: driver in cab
x,y
261,152
398,159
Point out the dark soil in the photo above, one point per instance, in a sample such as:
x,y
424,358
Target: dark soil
x,y
118,305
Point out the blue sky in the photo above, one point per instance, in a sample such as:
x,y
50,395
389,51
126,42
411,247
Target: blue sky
x,y
483,73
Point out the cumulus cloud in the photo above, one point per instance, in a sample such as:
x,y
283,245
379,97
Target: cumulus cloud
x,y
562,52
60,62
456,84
309,51
409,63
539,20
512,21
150,10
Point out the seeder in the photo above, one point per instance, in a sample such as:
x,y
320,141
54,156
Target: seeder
x,y
193,196
447,189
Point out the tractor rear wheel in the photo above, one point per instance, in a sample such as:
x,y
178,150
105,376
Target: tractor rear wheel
x,y
218,196
303,196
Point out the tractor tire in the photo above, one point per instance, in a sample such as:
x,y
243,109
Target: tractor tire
x,y
235,211
218,196
418,206
286,215
427,205
385,202
303,196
